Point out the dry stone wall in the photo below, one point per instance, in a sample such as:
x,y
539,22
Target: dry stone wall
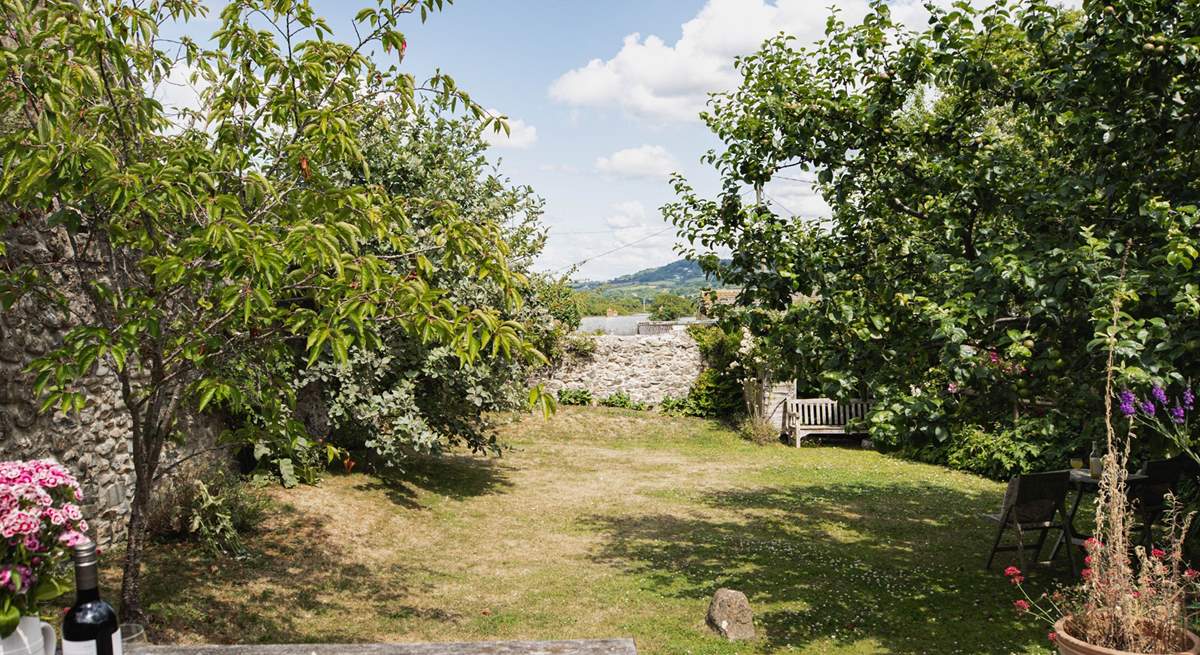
x,y
648,368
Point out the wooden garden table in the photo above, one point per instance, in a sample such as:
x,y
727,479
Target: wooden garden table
x,y
581,647
1084,483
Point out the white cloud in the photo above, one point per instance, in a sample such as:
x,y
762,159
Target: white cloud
x,y
521,135
653,162
662,82
628,214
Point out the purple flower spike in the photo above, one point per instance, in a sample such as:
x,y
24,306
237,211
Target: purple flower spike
x,y
1160,395
1148,407
1179,414
1128,403
1189,399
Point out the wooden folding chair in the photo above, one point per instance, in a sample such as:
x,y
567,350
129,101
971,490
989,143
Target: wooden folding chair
x,y
1032,503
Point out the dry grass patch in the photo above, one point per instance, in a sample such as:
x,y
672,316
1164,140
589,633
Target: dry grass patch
x,y
601,523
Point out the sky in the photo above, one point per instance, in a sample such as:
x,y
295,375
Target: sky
x,y
603,101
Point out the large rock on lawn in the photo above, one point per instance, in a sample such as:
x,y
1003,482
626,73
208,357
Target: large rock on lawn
x,y
729,614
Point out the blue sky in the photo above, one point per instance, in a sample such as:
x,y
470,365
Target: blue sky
x,y
603,100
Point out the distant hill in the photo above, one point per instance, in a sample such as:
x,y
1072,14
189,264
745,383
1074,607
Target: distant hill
x,y
682,277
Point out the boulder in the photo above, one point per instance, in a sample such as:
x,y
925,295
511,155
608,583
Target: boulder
x,y
729,614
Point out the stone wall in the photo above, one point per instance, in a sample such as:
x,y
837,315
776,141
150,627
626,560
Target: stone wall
x,y
95,443
646,367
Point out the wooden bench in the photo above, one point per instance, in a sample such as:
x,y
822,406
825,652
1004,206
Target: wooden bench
x,y
582,647
809,416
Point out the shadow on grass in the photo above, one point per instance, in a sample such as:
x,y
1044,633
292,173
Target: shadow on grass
x,y
897,564
295,571
457,477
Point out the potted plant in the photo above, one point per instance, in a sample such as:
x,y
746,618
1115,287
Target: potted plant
x,y
1130,601
40,521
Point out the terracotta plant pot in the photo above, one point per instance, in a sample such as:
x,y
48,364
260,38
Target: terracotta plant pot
x,y
1068,645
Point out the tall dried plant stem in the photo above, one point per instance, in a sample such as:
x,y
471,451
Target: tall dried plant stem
x,y
1111,617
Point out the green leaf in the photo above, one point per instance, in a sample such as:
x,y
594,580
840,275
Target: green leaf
x,y
10,617
50,587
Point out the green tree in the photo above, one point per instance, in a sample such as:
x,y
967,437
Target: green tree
x,y
207,246
597,303
987,175
416,395
668,307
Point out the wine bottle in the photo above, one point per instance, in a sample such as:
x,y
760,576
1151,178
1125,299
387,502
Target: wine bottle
x,y
1096,461
90,627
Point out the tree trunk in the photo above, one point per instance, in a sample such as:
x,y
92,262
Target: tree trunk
x,y
148,441
135,543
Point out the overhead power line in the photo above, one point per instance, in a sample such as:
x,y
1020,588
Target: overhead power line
x,y
617,249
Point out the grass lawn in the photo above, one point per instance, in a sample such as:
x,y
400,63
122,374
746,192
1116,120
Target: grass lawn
x,y
603,523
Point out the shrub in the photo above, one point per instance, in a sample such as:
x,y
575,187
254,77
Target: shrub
x,y
622,400
715,395
717,391
214,510
582,346
998,454
758,431
574,397
675,406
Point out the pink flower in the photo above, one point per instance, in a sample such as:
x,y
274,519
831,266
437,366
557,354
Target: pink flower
x,y
1086,573
1012,571
71,538
56,517
1052,636
1021,604
72,512
1191,573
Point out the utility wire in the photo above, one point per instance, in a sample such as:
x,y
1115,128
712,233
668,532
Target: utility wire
x,y
617,249
795,179
781,205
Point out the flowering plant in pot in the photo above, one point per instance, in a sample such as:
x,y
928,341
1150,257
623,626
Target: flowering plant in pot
x,y
1130,601
40,520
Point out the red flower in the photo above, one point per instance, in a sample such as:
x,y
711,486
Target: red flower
x,y
1158,553
1191,573
1021,604
1011,571
1052,636
1087,559
1086,573
1092,544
